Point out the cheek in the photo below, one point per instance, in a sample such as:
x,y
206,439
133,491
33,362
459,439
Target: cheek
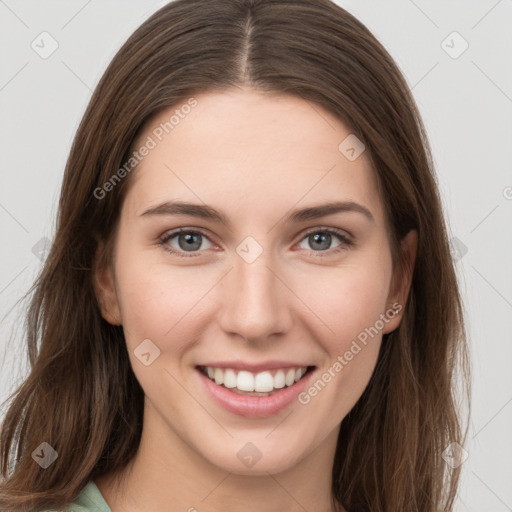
x,y
161,302
348,302
349,305
345,300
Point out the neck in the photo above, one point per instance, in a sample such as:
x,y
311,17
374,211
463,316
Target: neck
x,y
167,474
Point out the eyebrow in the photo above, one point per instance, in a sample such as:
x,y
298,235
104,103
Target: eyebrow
x,y
208,213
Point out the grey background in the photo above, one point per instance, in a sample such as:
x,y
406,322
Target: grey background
x,y
466,104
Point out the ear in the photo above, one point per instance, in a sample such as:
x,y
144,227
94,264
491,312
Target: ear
x,y
104,287
401,281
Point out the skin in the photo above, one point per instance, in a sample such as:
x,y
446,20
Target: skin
x,y
254,157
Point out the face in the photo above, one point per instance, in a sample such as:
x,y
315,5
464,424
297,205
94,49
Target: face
x,y
251,289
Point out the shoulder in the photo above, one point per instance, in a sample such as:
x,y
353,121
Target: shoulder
x,y
72,507
89,500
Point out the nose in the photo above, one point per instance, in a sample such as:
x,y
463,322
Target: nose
x,y
255,301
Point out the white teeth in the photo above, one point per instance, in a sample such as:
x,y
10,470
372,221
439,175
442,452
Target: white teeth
x,y
245,381
279,380
219,376
230,379
262,382
290,377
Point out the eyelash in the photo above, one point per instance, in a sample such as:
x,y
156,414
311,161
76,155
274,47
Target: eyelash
x,y
346,242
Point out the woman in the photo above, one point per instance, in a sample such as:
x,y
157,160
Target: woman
x,y
198,349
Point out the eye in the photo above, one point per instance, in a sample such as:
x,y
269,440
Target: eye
x,y
320,239
188,241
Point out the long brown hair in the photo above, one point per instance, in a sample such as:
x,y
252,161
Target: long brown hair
x,y
81,395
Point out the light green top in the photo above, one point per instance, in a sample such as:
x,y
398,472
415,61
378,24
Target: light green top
x,y
89,500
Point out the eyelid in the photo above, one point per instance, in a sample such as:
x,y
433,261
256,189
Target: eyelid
x,y
339,232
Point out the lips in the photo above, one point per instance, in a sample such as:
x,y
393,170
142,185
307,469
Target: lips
x,y
254,404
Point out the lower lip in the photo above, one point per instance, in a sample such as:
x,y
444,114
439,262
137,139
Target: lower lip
x,y
254,406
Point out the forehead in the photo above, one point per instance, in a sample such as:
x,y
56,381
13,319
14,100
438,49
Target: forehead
x,y
257,149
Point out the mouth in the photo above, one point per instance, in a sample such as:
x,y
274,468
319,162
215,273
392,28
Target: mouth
x,y
264,383
254,394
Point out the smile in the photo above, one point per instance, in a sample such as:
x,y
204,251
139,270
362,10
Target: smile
x,y
254,394
248,383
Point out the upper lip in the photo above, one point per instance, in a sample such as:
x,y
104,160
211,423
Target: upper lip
x,y
255,367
